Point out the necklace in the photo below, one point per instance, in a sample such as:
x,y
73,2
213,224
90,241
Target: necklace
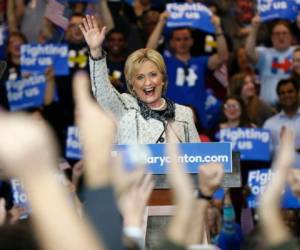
x,y
161,107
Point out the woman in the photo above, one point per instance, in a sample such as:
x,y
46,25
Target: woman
x,y
235,114
144,114
242,85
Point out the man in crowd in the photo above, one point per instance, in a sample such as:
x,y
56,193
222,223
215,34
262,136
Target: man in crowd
x,y
116,57
272,63
289,117
186,74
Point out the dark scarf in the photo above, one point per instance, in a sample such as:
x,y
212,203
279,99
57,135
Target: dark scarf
x,y
163,115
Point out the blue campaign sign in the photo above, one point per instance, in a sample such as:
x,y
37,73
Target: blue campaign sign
x,y
273,9
153,155
73,144
191,156
252,143
257,181
36,58
193,15
26,92
20,198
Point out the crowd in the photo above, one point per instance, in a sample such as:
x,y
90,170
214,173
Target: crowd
x,y
149,86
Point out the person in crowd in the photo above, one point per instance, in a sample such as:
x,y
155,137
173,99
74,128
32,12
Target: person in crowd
x,y
116,45
144,114
186,73
13,71
13,60
296,66
289,116
272,63
236,20
226,233
274,231
33,160
243,85
239,62
235,114
139,33
26,17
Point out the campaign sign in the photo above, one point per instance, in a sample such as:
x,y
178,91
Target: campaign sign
x,y
191,156
273,9
20,197
36,58
258,180
252,143
73,147
193,15
26,92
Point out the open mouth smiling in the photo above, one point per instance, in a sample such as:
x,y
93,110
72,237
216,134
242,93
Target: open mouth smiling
x,y
149,91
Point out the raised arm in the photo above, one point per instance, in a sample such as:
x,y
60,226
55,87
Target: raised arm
x,y
106,15
155,36
272,224
251,52
15,10
210,178
97,130
216,60
50,86
32,158
182,189
107,96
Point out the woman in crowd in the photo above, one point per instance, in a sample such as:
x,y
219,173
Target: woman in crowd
x,y
144,114
242,85
235,114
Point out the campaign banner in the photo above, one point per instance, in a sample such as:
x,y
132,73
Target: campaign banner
x,y
73,144
20,198
252,143
191,155
192,15
26,92
281,9
36,58
258,180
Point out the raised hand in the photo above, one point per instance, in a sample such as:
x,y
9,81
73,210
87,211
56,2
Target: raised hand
x,y
256,21
210,178
133,202
216,21
182,189
294,180
33,137
97,129
92,35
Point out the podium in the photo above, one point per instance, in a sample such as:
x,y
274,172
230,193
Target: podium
x,y
160,205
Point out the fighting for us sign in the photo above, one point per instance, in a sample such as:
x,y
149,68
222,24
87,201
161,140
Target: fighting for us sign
x,y
281,9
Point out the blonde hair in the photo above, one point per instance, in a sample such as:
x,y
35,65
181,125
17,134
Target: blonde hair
x,y
137,58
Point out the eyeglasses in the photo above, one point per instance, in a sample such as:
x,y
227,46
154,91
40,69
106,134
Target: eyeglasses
x,y
231,106
277,34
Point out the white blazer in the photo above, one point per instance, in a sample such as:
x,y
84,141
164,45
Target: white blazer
x,y
132,128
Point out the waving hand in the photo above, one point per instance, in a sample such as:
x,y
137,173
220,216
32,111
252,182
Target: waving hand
x,y
92,35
